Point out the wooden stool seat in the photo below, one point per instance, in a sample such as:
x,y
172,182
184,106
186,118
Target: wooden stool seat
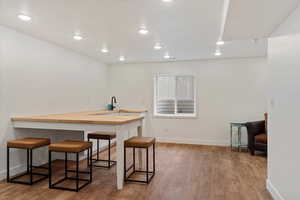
x,y
28,143
139,142
102,135
70,146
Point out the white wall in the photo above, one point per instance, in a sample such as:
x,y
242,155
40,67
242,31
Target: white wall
x,y
37,77
283,159
227,91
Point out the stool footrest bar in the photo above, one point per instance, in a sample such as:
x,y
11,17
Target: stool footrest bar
x,y
87,181
80,172
112,163
139,181
127,170
13,180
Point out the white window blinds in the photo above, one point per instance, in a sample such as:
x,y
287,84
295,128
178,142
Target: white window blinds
x,y
165,102
185,94
174,95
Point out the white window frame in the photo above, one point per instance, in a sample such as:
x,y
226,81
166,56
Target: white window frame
x,y
176,115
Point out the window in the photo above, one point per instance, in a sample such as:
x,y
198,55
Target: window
x,y
174,96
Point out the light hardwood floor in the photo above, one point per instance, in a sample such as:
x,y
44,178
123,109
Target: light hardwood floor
x,y
184,172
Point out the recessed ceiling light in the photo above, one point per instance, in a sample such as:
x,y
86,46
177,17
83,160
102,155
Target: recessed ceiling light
x,y
143,30
24,17
220,43
167,1
104,50
218,53
167,56
157,46
77,37
122,58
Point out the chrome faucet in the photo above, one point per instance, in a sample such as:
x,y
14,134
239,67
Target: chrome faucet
x,y
113,100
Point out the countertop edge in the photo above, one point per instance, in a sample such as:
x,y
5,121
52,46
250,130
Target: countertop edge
x,y
74,121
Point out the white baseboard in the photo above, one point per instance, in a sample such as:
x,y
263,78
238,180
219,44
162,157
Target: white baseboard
x,y
273,191
193,141
13,171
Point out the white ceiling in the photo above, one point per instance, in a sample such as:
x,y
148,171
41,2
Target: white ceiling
x,y
188,29
248,19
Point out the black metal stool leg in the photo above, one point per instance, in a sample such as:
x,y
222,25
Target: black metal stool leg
x,y
87,158
91,156
7,161
133,159
125,163
108,154
77,172
30,165
98,149
66,165
91,165
147,165
27,161
153,148
88,164
50,169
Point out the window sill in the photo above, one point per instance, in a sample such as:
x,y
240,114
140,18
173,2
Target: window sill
x,y
193,116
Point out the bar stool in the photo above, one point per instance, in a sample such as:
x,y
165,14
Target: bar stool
x,y
71,147
103,136
29,144
144,143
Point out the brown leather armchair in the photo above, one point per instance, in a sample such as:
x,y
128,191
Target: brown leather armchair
x,y
257,136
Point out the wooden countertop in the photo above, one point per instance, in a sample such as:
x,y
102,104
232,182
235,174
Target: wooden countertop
x,y
89,117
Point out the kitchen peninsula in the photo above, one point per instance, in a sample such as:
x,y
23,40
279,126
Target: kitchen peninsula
x,y
120,122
